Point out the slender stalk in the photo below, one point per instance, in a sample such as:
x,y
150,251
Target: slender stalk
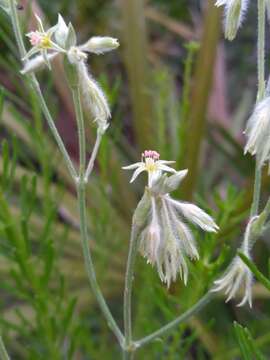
x,y
128,286
34,83
261,48
3,351
173,324
52,127
90,266
93,155
81,192
261,94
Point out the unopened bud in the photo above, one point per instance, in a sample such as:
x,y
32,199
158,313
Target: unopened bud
x,y
100,44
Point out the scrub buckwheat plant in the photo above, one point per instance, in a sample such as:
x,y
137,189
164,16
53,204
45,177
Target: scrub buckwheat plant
x,y
163,228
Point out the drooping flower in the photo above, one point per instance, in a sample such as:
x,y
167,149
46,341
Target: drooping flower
x,y
166,241
238,275
233,15
258,132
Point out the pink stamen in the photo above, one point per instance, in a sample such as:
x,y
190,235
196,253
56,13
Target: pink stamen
x,y
35,38
151,154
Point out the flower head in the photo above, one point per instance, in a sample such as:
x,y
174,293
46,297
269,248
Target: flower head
x,y
42,42
258,130
166,241
234,14
62,39
150,162
238,275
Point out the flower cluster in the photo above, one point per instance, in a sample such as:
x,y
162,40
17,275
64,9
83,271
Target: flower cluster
x,y
234,15
61,39
166,241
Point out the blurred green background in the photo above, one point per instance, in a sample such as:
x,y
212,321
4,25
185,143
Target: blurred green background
x,y
174,86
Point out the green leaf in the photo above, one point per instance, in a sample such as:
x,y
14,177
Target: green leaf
x,y
246,343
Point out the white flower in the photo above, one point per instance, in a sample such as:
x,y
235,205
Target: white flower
x,y
62,39
258,132
150,163
166,241
238,275
42,42
234,14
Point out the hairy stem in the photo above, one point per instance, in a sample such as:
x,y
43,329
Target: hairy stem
x,y
179,320
3,351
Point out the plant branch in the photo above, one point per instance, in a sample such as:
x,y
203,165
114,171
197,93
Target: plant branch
x,y
90,266
81,193
173,324
260,96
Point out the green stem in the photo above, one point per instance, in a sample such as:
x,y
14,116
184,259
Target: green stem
x,y
260,96
16,27
173,324
257,190
90,266
52,127
261,48
34,83
81,192
3,351
128,287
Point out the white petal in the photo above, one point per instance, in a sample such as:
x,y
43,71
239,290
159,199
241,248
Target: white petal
x,y
137,173
166,168
196,215
133,166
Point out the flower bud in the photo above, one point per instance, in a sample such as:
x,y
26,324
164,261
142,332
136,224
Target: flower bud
x,y
93,97
234,14
100,44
